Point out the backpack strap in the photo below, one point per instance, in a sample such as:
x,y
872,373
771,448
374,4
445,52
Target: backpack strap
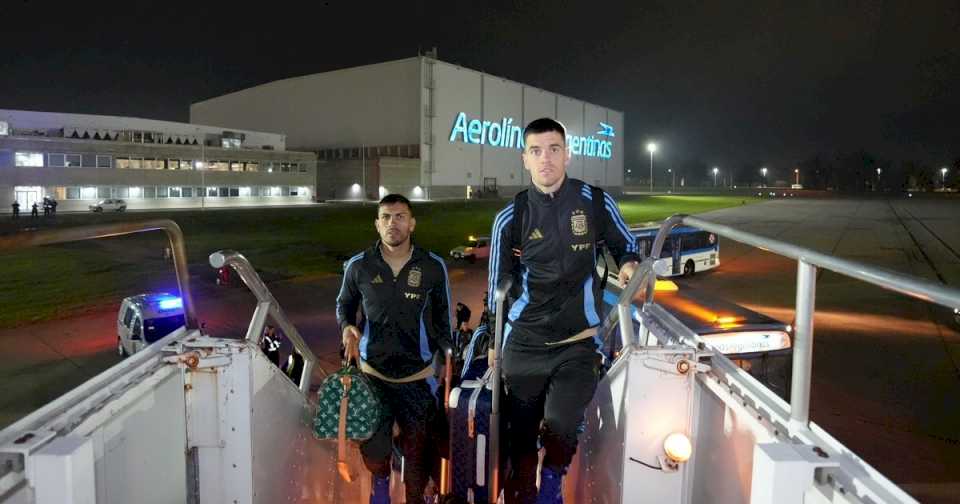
x,y
598,208
519,211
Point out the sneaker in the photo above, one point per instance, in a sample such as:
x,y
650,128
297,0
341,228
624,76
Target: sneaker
x,y
381,491
551,487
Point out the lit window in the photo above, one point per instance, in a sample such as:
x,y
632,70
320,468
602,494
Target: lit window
x,y
236,166
73,193
253,167
122,192
136,192
162,192
88,193
31,159
149,192
211,192
173,164
244,192
174,192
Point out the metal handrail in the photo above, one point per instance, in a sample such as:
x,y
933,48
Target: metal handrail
x,y
500,296
923,290
621,317
26,239
266,305
807,263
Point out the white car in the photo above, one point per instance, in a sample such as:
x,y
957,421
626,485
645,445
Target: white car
x,y
145,318
118,205
475,248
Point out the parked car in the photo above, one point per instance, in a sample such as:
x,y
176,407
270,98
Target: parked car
x,y
145,318
117,205
475,248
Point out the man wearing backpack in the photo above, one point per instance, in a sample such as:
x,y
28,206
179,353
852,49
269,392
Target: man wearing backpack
x,y
547,239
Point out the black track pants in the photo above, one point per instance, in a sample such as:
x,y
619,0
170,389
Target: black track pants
x,y
413,406
552,384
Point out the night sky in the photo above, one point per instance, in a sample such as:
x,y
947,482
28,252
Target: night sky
x,y
727,83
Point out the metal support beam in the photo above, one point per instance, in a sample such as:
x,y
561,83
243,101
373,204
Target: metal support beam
x,y
803,344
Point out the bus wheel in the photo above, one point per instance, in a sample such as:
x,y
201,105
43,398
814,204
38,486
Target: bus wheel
x,y
688,269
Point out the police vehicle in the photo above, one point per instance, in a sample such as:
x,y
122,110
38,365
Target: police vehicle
x,y
145,318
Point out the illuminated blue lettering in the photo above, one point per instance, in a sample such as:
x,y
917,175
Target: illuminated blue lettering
x,y
459,127
505,134
473,131
496,134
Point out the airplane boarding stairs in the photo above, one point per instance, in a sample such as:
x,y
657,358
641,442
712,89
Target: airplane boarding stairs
x,y
205,420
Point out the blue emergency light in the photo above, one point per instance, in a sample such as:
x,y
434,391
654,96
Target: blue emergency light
x,y
170,303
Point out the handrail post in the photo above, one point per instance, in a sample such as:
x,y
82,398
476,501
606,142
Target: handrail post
x,y
500,296
803,344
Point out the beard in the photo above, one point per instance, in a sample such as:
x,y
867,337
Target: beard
x,y
395,238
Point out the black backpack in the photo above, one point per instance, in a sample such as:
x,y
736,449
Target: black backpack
x,y
520,210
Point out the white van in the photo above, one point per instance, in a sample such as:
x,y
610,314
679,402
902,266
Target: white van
x,y
145,318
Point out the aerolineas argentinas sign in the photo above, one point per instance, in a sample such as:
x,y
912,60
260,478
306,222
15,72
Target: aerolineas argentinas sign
x,y
509,135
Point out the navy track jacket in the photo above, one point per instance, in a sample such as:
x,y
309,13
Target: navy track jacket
x,y
556,290
406,318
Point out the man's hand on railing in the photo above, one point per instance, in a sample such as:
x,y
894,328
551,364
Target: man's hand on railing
x,y
627,270
351,343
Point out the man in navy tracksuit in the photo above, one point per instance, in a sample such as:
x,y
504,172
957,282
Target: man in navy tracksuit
x,y
405,297
550,358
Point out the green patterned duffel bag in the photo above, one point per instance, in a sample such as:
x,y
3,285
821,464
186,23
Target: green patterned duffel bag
x,y
348,408
348,399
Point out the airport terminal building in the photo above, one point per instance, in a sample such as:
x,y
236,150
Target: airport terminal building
x,y
421,127
81,159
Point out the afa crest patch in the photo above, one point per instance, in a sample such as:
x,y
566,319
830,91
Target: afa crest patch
x,y
578,223
414,277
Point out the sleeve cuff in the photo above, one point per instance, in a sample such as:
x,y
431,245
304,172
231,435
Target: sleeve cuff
x,y
629,257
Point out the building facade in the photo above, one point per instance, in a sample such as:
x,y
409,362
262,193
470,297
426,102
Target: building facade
x,y
422,127
81,159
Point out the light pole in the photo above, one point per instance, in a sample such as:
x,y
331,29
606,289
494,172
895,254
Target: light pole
x,y
878,178
651,148
203,182
943,178
764,172
673,180
796,172
715,171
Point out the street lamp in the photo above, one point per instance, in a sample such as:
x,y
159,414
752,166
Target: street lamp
x,y
943,177
715,171
764,172
651,148
673,180
796,171
878,178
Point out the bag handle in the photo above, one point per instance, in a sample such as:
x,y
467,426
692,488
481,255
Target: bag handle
x,y
342,466
352,353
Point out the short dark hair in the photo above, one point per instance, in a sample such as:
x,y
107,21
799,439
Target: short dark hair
x,y
396,198
544,125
